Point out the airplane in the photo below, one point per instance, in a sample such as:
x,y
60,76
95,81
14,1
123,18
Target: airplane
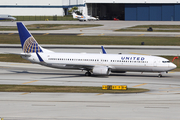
x,y
6,17
83,17
97,64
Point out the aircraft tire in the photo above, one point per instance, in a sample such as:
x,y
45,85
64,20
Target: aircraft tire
x,y
159,75
87,74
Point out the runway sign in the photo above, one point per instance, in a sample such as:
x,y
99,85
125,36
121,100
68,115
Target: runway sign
x,y
114,87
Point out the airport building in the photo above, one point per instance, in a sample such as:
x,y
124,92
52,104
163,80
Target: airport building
x,y
38,7
137,10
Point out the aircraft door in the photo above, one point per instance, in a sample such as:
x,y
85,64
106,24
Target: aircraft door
x,y
155,62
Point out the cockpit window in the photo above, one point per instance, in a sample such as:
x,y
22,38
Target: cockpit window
x,y
165,61
9,16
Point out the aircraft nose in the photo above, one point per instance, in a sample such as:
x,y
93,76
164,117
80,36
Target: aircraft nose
x,y
172,66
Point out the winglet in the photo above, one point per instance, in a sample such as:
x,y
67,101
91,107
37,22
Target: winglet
x,y
39,57
103,50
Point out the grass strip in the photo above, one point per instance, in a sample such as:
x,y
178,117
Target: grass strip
x,y
93,40
145,30
156,28
12,58
49,26
67,89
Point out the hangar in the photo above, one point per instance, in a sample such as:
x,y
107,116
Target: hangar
x,y
134,10
139,10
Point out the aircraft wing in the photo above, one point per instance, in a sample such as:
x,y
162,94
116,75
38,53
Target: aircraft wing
x,y
70,66
82,67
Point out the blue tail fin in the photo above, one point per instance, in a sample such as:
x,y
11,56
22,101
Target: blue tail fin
x,y
103,50
29,44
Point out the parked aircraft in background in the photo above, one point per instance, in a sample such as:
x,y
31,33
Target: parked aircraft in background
x,y
6,17
97,64
84,17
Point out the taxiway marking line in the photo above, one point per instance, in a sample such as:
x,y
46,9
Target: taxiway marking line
x,y
30,82
177,36
154,94
21,64
141,35
25,93
46,34
170,88
10,33
140,85
80,34
138,53
100,94
101,34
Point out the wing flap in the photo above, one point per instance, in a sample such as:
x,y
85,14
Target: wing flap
x,y
82,67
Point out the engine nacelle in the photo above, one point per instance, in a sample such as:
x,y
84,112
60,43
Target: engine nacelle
x,y
101,70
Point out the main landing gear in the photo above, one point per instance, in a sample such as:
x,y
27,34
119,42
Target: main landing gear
x,y
88,73
159,75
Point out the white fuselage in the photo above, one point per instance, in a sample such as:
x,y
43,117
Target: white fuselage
x,y
116,62
6,17
84,17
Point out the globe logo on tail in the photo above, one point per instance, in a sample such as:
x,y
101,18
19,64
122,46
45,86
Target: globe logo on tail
x,y
31,46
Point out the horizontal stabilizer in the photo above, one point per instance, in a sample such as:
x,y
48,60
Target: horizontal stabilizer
x,y
21,54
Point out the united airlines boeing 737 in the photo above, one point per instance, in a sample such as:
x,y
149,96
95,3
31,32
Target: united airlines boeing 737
x,y
97,64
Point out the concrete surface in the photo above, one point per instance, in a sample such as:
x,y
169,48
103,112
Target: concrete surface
x,y
106,30
146,50
160,103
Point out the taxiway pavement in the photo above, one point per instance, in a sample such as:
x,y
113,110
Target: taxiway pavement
x,y
108,28
110,49
162,102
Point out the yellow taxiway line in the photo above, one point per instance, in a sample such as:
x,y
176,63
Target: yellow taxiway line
x,y
177,36
140,85
141,35
30,82
80,34
138,53
46,34
101,34
25,93
10,33
100,94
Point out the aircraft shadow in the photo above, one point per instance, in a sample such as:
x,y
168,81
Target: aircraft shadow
x,y
71,74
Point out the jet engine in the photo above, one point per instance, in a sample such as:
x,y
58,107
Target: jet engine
x,y
101,70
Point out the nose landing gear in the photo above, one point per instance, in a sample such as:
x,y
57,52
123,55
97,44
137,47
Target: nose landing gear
x,y
88,73
159,75
162,73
